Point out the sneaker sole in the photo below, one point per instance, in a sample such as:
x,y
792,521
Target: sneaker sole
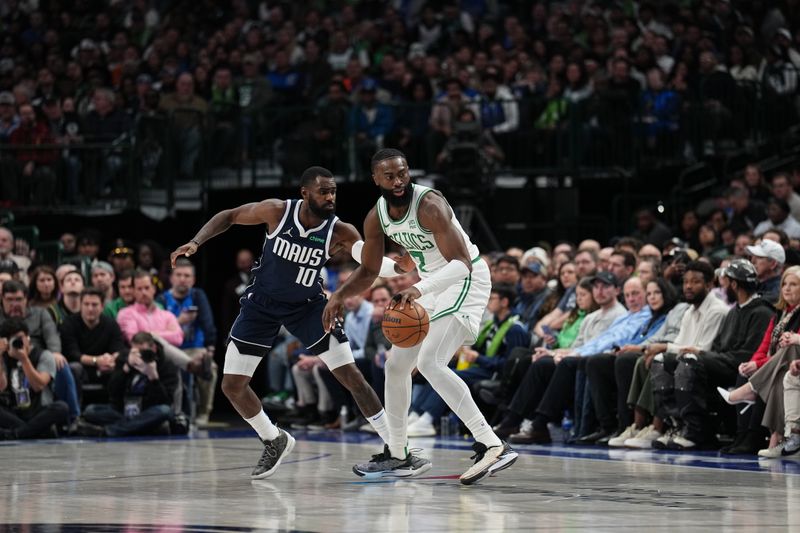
x,y
638,445
392,473
503,462
286,451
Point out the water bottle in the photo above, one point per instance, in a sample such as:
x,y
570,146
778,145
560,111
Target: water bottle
x,y
444,427
566,426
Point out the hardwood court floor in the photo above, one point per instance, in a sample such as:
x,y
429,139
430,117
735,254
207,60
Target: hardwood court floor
x,y
202,484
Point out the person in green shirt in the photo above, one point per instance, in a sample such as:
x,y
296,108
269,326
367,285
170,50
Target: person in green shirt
x,y
585,304
126,295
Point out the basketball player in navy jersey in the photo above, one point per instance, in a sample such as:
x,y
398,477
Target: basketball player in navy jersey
x,y
286,289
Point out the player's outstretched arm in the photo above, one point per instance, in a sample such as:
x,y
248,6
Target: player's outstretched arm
x,y
264,212
346,239
363,276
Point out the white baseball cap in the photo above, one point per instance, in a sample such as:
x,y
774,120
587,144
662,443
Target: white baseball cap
x,y
769,249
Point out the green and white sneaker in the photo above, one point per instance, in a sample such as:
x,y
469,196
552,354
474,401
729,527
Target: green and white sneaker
x,y
274,452
488,461
383,465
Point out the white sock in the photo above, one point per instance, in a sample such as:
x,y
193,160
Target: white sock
x,y
379,423
426,418
264,427
398,452
482,431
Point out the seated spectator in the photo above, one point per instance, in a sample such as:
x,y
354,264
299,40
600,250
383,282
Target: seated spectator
x,y
622,265
103,279
791,401
750,434
779,216
699,328
190,305
42,291
91,341
546,388
140,389
151,257
534,291
121,257
505,271
8,272
66,129
768,258
486,356
747,213
69,303
782,190
7,254
443,115
27,407
126,297
660,115
330,131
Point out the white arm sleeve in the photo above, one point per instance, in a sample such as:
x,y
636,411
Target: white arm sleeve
x,y
387,265
451,273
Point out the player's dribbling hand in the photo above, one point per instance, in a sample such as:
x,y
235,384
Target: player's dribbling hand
x,y
404,297
333,311
185,249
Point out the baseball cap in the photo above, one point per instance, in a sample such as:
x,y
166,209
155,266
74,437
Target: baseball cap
x,y
784,33
7,98
606,278
768,249
533,267
741,270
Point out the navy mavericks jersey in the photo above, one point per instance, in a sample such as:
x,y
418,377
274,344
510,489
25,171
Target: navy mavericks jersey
x,y
292,259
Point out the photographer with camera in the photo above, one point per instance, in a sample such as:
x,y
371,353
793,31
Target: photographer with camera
x,y
27,408
140,389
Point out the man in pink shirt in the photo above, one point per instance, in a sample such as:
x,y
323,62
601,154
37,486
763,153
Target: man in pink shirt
x,y
145,315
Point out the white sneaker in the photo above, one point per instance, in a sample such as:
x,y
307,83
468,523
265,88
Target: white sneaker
x,y
488,461
629,433
644,439
789,446
412,417
420,428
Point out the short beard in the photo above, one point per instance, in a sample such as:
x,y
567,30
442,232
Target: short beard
x,y
320,212
698,299
731,295
398,201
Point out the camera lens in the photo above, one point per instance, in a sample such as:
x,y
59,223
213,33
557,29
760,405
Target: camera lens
x,y
17,343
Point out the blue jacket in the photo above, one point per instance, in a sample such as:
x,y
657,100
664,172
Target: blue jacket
x,y
382,124
200,333
617,333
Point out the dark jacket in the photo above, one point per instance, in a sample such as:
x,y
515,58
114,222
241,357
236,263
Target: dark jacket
x,y
740,332
158,392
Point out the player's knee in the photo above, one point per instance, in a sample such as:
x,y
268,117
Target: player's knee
x,y
396,366
351,378
429,367
233,386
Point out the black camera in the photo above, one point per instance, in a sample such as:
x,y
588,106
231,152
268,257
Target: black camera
x,y
148,356
17,343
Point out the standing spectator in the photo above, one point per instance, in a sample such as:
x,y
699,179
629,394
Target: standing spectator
x,y
370,122
224,114
108,125
187,112
140,391
26,376
36,173
91,340
190,305
660,115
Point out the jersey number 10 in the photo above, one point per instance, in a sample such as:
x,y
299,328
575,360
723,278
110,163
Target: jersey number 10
x,y
306,276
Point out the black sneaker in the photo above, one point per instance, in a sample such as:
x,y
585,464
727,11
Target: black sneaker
x,y
488,461
274,452
384,465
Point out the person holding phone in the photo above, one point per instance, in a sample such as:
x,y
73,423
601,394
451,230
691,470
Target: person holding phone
x,y
190,305
27,406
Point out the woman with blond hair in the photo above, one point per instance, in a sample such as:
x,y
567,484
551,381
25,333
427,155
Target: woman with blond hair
x,y
766,370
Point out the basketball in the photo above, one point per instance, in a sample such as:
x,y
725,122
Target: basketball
x,y
405,327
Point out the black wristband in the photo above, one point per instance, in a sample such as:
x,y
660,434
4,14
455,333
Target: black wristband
x,y
195,242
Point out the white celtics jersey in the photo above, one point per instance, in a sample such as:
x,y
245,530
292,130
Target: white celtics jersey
x,y
417,240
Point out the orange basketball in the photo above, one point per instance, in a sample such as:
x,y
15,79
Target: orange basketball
x,y
405,327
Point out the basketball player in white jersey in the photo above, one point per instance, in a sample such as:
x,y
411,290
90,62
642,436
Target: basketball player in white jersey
x,y
454,290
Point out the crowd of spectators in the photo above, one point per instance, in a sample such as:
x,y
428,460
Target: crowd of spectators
x,y
459,86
